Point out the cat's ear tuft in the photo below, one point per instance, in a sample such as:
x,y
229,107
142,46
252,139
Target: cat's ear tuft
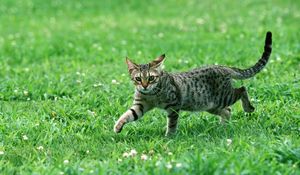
x,y
131,65
158,61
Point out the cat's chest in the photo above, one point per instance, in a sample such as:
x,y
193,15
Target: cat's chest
x,y
164,98
163,101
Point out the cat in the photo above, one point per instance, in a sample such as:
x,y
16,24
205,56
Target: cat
x,y
201,89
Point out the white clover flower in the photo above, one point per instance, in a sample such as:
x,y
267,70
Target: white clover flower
x,y
114,81
228,142
1,152
178,165
120,160
40,148
170,153
158,163
92,113
169,165
25,137
265,70
25,93
278,58
125,154
87,151
97,84
151,152
144,157
133,153
66,161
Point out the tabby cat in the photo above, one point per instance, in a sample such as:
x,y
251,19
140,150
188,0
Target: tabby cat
x,y
202,89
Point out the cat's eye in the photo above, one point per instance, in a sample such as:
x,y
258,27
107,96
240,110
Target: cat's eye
x,y
151,78
138,79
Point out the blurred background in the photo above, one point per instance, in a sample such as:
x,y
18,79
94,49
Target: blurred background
x,y
64,82
44,43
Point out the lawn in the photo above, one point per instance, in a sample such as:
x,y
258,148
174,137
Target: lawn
x,y
64,83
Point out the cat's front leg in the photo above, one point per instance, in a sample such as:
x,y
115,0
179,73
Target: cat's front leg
x,y
172,121
132,114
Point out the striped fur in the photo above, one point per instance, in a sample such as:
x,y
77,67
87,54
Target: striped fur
x,y
202,89
250,72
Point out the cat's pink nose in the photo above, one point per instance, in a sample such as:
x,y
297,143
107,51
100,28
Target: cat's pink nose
x,y
145,85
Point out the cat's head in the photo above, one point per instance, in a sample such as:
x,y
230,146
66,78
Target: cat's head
x,y
146,76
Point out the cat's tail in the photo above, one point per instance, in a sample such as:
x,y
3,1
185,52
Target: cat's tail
x,y
250,72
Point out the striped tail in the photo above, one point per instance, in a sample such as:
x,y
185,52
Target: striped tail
x,y
250,72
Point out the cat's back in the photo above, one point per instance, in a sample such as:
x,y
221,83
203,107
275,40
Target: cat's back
x,y
198,86
214,71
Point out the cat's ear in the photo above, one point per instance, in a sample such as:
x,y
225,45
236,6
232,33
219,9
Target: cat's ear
x,y
158,61
131,65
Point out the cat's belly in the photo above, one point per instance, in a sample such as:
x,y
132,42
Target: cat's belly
x,y
197,102
197,107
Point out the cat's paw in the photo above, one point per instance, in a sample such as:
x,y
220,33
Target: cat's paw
x,y
228,109
118,127
170,133
249,109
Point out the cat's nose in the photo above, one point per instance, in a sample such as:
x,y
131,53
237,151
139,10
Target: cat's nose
x,y
145,85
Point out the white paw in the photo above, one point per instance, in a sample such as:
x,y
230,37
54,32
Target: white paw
x,y
170,133
118,127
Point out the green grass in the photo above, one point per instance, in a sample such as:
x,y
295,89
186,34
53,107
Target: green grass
x,y
58,102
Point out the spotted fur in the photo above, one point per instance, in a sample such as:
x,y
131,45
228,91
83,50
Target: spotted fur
x,y
202,89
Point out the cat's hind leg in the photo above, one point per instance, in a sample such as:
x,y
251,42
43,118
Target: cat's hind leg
x,y
247,106
239,93
224,113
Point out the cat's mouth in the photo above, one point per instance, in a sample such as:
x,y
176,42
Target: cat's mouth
x,y
144,91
